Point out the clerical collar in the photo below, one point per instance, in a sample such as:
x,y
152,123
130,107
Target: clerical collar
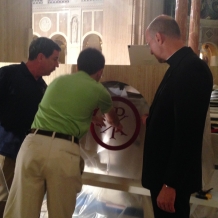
x,y
175,58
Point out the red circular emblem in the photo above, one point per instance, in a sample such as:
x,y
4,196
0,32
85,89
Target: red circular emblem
x,y
129,118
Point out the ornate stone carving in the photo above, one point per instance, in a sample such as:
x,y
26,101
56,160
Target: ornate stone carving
x,y
45,24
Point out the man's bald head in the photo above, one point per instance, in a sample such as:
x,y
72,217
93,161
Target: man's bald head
x,y
166,25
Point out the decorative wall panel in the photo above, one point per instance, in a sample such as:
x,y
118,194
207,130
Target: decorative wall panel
x,y
63,22
210,35
98,21
45,24
57,1
87,22
37,2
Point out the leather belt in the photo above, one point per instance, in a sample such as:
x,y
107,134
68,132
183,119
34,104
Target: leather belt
x,y
56,135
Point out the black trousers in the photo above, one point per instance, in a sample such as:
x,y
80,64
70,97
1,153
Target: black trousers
x,y
182,205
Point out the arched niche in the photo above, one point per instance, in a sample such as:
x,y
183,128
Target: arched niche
x,y
92,40
61,41
35,37
74,29
209,53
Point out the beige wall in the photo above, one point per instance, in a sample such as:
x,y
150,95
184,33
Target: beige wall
x,y
117,31
15,23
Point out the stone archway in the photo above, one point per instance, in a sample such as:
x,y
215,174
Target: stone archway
x,y
209,53
92,40
35,37
61,41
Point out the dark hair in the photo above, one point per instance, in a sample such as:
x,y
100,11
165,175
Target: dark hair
x,y
42,45
165,25
90,60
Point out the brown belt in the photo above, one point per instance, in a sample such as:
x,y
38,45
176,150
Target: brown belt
x,y
56,135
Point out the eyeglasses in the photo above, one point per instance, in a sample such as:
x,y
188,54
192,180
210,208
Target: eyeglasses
x,y
148,43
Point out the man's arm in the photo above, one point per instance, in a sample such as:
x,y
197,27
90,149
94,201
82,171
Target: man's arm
x,y
113,120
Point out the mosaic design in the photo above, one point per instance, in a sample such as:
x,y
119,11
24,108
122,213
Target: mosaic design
x,y
57,1
91,0
35,2
209,33
209,8
45,24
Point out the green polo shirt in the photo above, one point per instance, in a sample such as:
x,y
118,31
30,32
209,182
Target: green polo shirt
x,y
68,104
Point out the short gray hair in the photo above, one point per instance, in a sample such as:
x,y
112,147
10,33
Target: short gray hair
x,y
166,25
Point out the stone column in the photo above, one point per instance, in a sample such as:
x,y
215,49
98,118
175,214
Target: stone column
x,y
194,26
181,15
138,18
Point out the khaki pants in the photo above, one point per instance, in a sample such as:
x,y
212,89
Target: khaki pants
x,y
45,164
7,167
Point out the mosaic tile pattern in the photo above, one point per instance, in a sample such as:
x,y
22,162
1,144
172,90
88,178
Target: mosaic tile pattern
x,y
57,1
35,2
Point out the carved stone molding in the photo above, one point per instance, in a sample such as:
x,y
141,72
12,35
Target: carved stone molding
x,y
45,24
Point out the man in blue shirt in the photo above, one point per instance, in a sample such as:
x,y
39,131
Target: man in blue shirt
x,y
21,90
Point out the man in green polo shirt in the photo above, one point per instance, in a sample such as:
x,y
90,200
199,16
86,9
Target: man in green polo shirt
x,y
49,158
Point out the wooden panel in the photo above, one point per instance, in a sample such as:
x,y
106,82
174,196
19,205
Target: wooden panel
x,y
15,22
145,79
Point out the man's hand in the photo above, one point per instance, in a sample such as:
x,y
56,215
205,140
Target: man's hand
x,y
119,128
166,199
144,118
98,121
